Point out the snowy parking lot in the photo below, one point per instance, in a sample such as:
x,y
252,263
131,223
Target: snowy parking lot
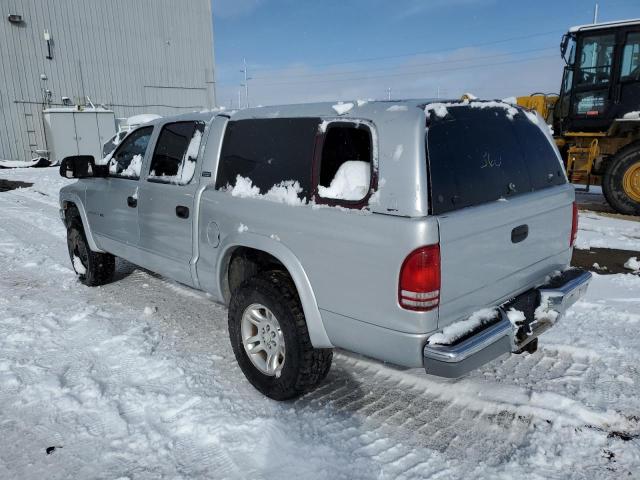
x,y
137,380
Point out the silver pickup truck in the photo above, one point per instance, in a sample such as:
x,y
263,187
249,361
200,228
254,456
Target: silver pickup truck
x,y
434,235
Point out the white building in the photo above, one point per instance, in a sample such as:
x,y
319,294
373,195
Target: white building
x,y
132,56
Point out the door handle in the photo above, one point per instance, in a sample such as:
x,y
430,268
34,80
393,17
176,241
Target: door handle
x,y
132,202
182,211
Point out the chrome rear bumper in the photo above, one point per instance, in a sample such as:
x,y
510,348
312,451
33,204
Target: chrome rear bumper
x,y
502,337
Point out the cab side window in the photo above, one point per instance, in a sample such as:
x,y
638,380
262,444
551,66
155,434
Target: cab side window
x,y
176,153
631,58
126,161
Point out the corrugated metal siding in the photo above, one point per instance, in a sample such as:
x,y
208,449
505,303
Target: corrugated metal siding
x,y
134,56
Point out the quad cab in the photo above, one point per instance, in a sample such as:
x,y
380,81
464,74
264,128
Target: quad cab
x,y
434,235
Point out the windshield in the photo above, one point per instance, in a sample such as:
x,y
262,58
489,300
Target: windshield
x,y
596,58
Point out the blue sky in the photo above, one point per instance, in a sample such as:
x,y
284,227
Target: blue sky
x,y
299,50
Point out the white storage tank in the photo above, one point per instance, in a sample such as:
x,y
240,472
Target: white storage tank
x,y
73,131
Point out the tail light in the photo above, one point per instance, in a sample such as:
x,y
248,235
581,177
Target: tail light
x,y
574,226
419,287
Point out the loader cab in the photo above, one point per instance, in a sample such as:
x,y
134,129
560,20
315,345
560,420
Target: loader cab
x,y
601,80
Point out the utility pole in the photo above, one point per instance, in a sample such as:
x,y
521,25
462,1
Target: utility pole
x,y
389,93
239,97
595,13
246,81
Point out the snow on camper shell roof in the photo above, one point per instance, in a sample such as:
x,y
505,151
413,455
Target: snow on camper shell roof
x,y
340,109
597,26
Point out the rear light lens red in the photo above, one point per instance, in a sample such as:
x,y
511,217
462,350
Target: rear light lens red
x,y
419,286
574,226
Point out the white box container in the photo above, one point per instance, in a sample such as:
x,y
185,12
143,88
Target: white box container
x,y
71,131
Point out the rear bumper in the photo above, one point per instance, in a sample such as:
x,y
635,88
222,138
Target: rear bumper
x,y
542,307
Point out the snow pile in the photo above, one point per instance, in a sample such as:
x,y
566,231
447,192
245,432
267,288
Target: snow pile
x,y
133,169
632,264
78,266
510,109
632,116
469,96
397,108
342,108
19,163
439,109
516,317
351,181
459,329
244,188
242,228
544,312
286,192
361,102
322,128
105,160
510,100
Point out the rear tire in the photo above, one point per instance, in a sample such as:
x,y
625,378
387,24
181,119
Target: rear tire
x,y
304,366
92,268
621,181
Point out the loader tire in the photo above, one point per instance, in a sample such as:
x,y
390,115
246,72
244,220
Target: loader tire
x,y
621,180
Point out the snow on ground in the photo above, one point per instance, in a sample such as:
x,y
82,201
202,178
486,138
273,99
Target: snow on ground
x,y
607,232
137,379
632,264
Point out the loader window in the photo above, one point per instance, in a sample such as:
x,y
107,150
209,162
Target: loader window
x,y
480,155
596,58
631,58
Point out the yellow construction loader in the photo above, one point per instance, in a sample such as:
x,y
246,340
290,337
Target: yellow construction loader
x,y
596,116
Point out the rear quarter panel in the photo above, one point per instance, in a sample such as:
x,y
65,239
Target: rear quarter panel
x,y
351,258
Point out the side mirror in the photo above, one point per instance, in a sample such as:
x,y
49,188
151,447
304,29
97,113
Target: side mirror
x,y
80,166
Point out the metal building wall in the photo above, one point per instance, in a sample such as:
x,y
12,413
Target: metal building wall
x,y
133,56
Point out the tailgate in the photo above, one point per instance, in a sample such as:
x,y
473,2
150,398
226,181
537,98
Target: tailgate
x,y
482,265
502,201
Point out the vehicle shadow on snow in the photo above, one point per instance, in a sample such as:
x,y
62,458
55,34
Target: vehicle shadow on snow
x,y
124,269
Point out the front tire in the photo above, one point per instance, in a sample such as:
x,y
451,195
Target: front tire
x,y
92,268
270,338
621,181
